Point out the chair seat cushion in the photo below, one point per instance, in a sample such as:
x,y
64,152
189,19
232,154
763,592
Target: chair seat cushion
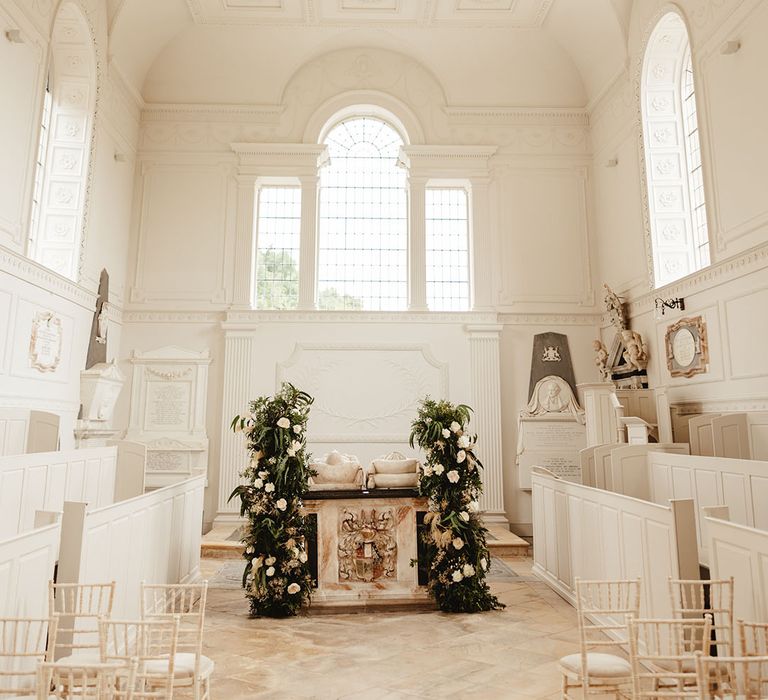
x,y
183,666
598,665
85,658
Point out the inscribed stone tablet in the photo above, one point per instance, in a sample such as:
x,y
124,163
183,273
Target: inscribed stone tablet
x,y
167,406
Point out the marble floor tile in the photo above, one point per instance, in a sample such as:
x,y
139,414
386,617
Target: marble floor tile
x,y
393,656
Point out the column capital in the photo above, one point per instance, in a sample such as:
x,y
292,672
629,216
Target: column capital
x,y
484,330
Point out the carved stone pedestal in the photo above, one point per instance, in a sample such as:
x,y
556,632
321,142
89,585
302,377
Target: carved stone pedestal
x,y
364,548
100,387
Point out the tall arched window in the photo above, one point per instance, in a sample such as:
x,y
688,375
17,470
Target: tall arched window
x,y
676,205
61,171
363,217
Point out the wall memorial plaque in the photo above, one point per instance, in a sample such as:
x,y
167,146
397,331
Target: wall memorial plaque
x,y
168,398
45,342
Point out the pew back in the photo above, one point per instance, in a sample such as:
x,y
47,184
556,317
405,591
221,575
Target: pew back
x,y
23,431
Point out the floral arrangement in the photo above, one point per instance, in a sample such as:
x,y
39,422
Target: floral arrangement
x,y
455,537
276,576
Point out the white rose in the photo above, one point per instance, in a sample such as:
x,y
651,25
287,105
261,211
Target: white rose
x,y
282,504
427,471
263,475
291,452
269,488
446,433
439,469
473,507
469,570
294,588
270,571
303,557
484,564
297,429
453,476
461,456
457,576
458,543
455,427
463,515
283,423
269,561
463,441
258,483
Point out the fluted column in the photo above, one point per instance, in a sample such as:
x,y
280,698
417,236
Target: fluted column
x,y
308,249
239,357
486,401
244,248
417,244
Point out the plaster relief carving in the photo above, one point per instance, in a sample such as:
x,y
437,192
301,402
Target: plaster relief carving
x,y
367,546
45,342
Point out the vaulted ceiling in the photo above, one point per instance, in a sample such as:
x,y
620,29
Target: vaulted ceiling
x,y
484,52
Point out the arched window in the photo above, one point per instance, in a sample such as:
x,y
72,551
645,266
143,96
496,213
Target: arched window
x,y
363,219
61,170
676,205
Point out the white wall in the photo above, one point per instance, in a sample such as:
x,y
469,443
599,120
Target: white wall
x,y
731,294
25,287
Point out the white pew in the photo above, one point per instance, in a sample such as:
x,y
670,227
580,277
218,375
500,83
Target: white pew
x,y
23,431
595,534
700,435
154,537
742,552
739,484
629,467
43,481
27,563
741,435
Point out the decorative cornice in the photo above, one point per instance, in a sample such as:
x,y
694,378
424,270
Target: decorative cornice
x,y
181,112
212,317
565,116
273,158
33,273
737,266
733,405
522,319
242,319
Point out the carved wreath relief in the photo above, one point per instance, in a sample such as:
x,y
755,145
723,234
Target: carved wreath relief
x,y
367,546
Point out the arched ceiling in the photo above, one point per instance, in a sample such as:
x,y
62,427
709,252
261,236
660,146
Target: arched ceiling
x,y
543,53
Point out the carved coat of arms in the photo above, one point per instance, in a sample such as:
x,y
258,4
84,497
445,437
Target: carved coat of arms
x,y
551,354
367,546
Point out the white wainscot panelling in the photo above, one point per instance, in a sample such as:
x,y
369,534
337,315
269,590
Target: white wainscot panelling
x,y
26,566
746,335
364,392
741,552
154,538
43,481
5,322
182,233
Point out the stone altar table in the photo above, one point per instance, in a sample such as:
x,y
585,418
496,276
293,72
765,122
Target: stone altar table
x,y
364,544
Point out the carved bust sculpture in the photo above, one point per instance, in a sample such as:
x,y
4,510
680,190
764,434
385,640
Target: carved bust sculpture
x,y
553,395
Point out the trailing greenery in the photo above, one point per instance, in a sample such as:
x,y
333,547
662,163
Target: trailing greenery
x,y
450,479
276,576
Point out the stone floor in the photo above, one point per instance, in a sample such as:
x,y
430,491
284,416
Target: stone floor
x,y
507,654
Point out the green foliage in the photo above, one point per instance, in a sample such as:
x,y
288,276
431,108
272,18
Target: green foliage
x,y
451,480
276,576
331,300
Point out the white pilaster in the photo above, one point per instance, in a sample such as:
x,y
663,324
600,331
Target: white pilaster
x,y
417,244
244,242
481,244
308,249
239,357
486,401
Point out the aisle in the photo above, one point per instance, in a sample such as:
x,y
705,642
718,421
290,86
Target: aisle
x,y
509,654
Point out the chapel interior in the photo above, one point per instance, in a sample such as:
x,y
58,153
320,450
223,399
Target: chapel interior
x,y
551,211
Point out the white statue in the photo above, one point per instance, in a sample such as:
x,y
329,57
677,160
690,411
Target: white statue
x,y
101,324
601,360
615,309
635,350
553,394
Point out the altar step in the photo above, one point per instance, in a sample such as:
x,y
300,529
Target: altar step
x,y
223,542
503,543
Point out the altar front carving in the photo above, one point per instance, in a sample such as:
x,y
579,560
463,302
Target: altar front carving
x,y
363,548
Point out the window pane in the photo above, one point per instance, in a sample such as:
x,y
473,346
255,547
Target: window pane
x,y
277,255
447,250
363,246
